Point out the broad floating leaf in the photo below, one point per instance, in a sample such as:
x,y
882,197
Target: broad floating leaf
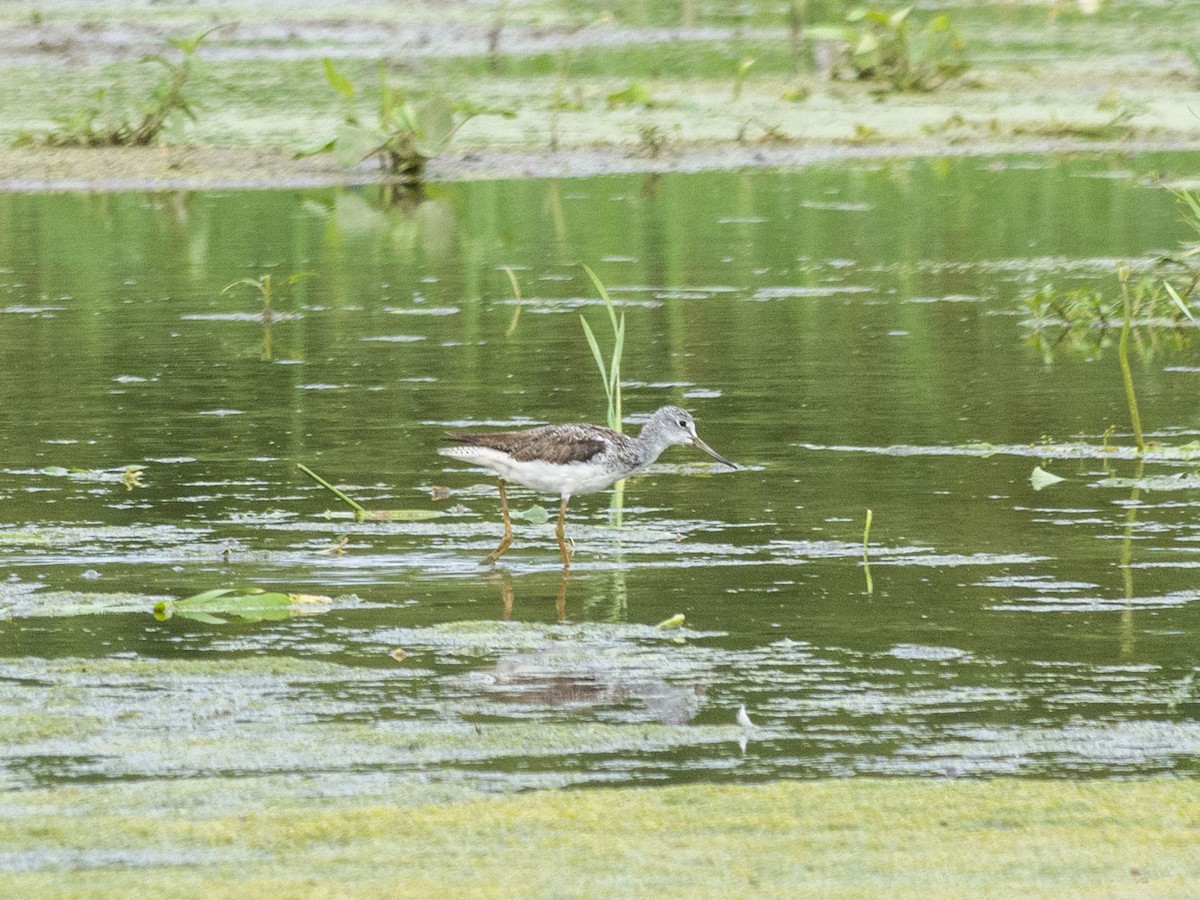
x,y
1040,478
535,515
248,604
675,621
633,95
354,143
435,126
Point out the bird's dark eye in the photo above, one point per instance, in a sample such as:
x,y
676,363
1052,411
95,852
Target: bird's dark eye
x,y
682,424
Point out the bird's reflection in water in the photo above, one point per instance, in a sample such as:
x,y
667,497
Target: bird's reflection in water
x,y
578,676
565,681
505,581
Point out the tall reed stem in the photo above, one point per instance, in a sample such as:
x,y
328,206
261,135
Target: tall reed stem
x,y
1123,357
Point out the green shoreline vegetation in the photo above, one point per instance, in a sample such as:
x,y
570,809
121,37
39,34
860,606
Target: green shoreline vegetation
x,y
995,76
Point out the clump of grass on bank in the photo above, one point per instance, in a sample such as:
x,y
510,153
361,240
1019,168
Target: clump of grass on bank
x,y
888,48
405,134
105,122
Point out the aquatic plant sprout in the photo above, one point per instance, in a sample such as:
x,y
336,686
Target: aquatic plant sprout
x,y
406,134
610,374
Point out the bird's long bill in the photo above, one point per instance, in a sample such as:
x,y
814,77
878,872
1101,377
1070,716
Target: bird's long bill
x,y
711,452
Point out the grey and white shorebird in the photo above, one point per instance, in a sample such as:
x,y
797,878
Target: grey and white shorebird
x,y
572,459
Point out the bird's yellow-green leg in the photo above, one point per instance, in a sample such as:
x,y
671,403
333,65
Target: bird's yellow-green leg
x,y
562,543
506,541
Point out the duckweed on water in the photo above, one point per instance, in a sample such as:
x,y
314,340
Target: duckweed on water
x,y
860,837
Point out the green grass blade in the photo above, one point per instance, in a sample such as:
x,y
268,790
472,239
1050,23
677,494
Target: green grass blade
x,y
1188,199
612,373
1179,302
359,512
603,292
337,80
599,357
615,375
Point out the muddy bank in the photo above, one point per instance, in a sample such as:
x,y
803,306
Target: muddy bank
x,y
32,170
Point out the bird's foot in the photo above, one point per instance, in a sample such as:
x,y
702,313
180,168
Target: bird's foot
x,y
491,558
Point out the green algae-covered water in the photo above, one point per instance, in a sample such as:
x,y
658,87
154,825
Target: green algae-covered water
x,y
854,336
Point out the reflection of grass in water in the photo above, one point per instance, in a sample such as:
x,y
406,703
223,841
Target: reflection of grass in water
x,y
845,836
516,289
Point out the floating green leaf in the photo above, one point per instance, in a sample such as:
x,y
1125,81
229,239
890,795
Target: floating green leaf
x,y
248,604
1040,478
435,126
633,95
354,143
535,515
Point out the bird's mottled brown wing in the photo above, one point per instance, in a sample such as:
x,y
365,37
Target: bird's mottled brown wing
x,y
550,443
